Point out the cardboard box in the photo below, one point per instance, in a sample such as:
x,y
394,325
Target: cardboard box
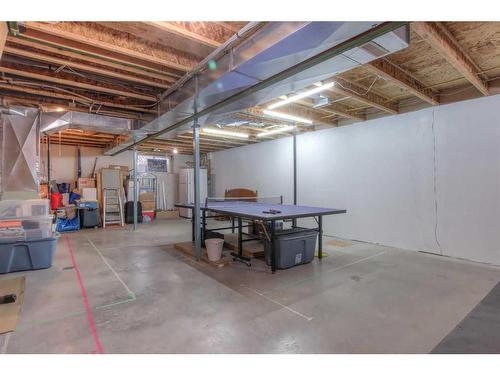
x,y
86,183
148,206
44,191
173,214
65,199
122,168
10,312
147,197
89,194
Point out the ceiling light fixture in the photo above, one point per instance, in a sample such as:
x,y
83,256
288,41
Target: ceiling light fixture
x,y
175,151
286,116
304,94
224,133
276,131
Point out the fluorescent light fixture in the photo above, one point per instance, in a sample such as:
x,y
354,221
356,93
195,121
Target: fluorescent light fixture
x,y
276,131
224,133
286,116
304,94
175,150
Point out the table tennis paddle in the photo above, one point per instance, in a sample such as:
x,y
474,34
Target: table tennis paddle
x,y
271,211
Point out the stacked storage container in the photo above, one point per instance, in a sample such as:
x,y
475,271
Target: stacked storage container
x,y
26,238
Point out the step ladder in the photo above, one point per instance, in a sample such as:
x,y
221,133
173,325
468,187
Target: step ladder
x,y
112,207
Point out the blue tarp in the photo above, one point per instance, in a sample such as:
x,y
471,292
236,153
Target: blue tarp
x,y
68,225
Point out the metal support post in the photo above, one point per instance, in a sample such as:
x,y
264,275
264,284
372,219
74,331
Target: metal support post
x,y
196,151
294,221
136,187
48,162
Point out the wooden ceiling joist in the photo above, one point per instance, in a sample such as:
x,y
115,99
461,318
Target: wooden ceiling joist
x,y
217,140
346,88
389,72
107,62
82,67
172,145
333,109
80,85
50,106
37,30
77,142
203,143
228,25
295,110
317,118
189,143
441,40
3,36
172,28
70,98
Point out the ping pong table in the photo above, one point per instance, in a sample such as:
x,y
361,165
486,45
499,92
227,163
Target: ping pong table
x,y
263,211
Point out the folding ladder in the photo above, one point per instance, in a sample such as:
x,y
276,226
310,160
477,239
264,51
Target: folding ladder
x,y
112,207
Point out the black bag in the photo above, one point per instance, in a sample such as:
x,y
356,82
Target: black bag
x,y
90,218
129,212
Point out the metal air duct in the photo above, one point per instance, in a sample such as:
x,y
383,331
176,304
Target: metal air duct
x,y
19,151
250,73
53,122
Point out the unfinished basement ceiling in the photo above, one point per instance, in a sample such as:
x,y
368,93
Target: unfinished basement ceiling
x,y
121,69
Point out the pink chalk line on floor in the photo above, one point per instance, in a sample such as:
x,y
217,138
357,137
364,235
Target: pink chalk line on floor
x,y
88,308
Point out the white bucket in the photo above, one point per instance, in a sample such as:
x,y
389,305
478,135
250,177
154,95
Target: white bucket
x,y
214,248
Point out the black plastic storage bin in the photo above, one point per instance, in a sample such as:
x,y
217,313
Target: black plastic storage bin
x,y
27,255
292,249
90,218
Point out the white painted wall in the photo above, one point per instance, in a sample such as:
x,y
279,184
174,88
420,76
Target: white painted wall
x,y
265,167
179,162
382,172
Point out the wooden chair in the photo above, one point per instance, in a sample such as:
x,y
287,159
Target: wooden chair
x,y
238,193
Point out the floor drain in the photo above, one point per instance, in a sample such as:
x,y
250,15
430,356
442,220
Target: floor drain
x,y
68,268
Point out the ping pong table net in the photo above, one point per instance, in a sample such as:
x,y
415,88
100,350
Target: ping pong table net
x,y
210,201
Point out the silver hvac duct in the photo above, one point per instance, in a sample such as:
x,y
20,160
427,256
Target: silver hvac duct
x,y
53,122
19,152
271,50
12,111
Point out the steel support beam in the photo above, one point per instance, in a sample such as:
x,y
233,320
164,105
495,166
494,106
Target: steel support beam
x,y
196,157
136,187
48,162
295,170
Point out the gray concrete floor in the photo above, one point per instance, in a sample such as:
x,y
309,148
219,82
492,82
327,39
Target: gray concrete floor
x,y
148,298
